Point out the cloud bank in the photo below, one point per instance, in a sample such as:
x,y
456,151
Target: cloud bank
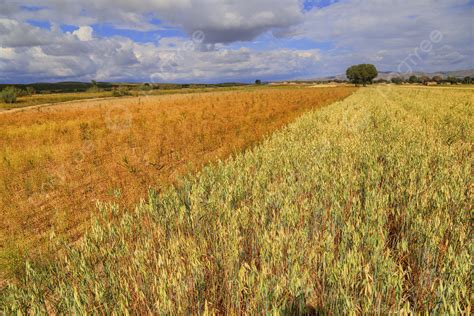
x,y
51,40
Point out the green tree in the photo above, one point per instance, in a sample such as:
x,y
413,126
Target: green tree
x,y
452,80
424,79
258,81
437,79
467,80
413,79
397,80
362,74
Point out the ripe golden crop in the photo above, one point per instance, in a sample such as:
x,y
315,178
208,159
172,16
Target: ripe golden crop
x,y
56,162
362,207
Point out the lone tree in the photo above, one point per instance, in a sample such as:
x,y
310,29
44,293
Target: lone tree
x,y
362,74
258,81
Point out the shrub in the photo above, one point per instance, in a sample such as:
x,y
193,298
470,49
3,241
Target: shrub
x,y
30,91
93,89
9,95
21,93
120,92
146,87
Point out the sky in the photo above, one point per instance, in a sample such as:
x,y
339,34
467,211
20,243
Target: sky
x,y
210,41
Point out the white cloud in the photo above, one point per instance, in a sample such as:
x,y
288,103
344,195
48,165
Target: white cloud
x,y
80,56
17,34
222,21
84,33
386,32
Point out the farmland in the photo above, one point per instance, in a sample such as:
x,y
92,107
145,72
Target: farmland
x,y
57,162
362,206
61,97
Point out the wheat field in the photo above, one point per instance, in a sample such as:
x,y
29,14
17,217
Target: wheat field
x,y
361,207
56,162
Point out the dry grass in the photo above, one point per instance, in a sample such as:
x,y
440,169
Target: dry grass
x,y
38,99
56,162
53,98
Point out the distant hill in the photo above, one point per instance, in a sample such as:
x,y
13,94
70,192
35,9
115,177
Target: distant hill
x,y
389,74
443,74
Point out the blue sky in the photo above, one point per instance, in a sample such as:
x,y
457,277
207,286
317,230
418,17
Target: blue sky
x,y
216,41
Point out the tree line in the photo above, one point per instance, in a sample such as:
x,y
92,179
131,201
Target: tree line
x,y
425,80
364,74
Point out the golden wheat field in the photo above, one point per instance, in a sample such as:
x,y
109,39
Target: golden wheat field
x,y
54,98
361,207
57,162
236,157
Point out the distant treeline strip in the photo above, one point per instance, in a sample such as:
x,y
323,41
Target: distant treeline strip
x,y
66,87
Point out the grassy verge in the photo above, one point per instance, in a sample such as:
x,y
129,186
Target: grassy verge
x,y
362,207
